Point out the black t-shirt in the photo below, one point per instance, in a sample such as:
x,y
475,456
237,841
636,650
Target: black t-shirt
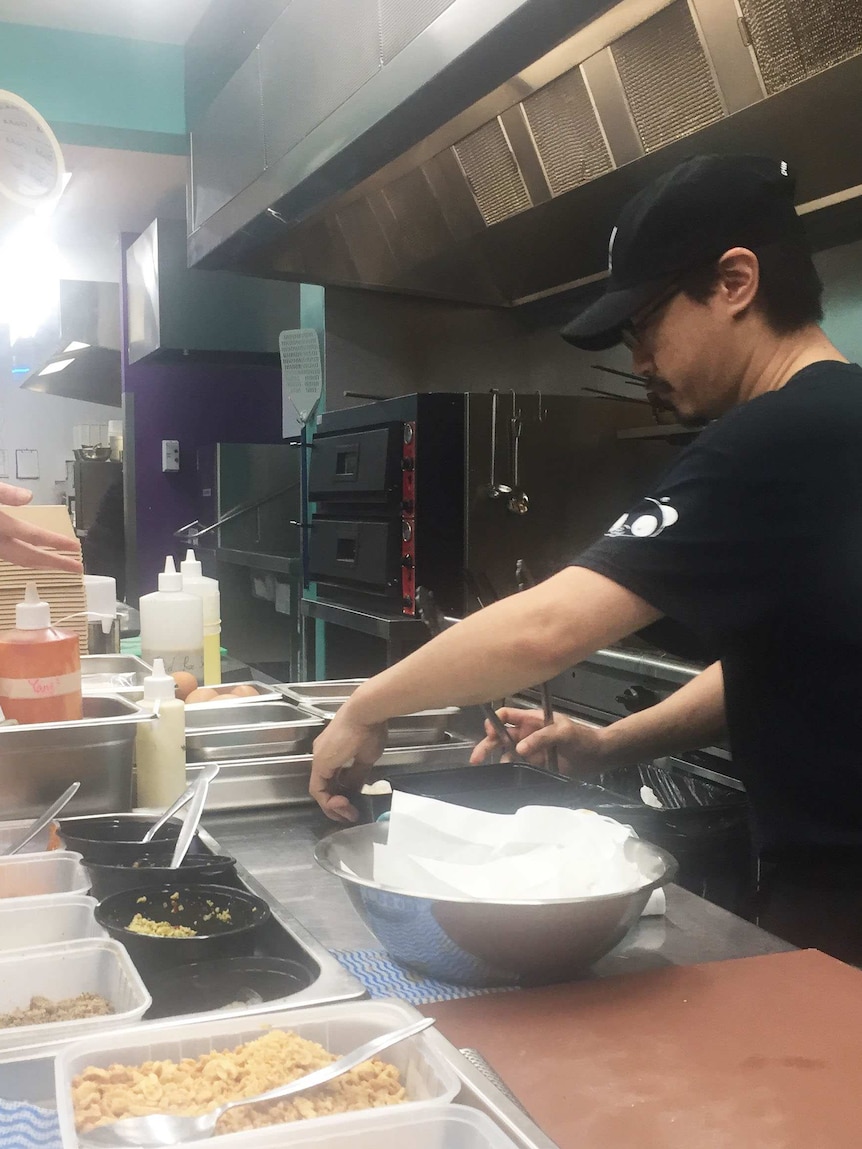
x,y
754,540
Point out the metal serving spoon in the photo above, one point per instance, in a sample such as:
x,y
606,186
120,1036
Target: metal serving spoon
x,y
160,1129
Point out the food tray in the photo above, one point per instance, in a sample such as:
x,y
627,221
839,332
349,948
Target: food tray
x,y
282,780
96,965
38,761
265,693
122,674
28,922
423,728
39,877
340,1028
225,731
317,693
447,1127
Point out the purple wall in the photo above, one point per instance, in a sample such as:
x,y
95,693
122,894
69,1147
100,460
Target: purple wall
x,y
198,404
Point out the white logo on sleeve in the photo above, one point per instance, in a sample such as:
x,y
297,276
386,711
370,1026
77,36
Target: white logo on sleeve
x,y
648,519
611,250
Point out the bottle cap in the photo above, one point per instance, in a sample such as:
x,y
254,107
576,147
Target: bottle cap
x,y
159,686
191,567
170,579
32,613
101,592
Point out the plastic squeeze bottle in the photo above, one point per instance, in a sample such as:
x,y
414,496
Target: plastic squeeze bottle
x,y
40,666
160,745
206,589
172,625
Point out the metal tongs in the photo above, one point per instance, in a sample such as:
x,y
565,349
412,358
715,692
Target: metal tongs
x,y
525,580
435,620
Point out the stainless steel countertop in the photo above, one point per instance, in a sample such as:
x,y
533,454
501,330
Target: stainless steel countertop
x,y
275,846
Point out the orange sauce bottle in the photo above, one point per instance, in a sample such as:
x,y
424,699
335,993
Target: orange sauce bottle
x,y
40,666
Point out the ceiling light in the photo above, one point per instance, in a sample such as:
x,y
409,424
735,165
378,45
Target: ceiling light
x,y
75,346
57,365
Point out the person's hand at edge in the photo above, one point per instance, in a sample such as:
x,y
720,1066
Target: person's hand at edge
x,y
30,546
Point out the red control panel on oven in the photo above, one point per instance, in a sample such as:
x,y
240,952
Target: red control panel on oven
x,y
408,520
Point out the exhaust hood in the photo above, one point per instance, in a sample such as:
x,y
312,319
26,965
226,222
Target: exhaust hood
x,y
76,351
481,153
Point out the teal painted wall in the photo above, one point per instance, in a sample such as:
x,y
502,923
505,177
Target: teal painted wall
x,y
81,81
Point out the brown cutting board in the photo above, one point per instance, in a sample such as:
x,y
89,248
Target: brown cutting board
x,y
758,1053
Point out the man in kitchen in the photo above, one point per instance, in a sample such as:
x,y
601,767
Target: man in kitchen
x,y
753,539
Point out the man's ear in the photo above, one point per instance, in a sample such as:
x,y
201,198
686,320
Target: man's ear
x,y
738,279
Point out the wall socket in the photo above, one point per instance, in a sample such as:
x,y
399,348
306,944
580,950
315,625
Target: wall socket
x,y
170,455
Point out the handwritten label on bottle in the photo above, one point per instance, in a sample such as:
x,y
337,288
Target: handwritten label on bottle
x,y
29,688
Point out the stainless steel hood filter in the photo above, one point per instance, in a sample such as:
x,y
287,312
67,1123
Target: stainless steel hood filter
x,y
76,352
512,197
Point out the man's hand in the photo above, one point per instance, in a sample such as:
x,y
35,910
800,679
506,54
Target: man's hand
x,y
27,545
579,747
343,755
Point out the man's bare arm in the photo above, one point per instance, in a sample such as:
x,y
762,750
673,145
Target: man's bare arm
x,y
527,638
691,717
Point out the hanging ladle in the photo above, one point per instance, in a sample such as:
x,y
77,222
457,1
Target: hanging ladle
x,y
495,490
518,502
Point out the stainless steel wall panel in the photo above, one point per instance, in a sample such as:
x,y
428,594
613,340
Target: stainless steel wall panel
x,y
567,134
402,20
667,78
314,57
228,145
733,62
367,243
612,108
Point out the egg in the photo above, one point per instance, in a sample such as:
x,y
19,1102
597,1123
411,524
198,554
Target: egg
x,y
202,694
186,683
244,691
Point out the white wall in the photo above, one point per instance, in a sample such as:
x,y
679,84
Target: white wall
x,y
42,422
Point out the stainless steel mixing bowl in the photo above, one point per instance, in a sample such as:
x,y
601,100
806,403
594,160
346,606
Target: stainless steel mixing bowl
x,y
487,943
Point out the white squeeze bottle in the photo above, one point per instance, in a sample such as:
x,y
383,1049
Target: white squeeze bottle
x,y
172,625
160,745
206,589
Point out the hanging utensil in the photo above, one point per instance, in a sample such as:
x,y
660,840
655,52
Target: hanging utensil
x,y
166,1129
190,825
495,490
434,619
518,502
43,819
183,799
525,581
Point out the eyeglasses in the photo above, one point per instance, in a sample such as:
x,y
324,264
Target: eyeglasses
x,y
633,330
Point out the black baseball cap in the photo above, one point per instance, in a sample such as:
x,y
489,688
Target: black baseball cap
x,y
683,220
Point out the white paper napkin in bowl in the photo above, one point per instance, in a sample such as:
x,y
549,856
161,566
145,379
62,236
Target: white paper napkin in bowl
x,y
440,850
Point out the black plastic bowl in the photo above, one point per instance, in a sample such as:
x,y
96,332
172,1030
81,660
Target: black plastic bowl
x,y
154,869
227,983
184,905
113,840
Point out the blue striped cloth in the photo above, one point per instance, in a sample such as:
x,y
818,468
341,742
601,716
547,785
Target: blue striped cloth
x,y
24,1126
381,977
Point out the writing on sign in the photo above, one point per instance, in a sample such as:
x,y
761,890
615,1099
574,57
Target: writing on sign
x,y
301,371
